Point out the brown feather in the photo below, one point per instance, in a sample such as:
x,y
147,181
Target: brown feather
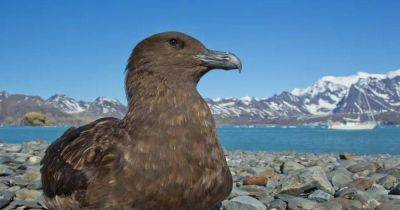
x,y
164,154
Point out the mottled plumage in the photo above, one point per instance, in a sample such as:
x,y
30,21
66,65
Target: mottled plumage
x,y
164,154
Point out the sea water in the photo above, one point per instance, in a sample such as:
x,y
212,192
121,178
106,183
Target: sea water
x,y
383,140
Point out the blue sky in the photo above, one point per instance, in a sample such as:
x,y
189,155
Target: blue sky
x,y
80,48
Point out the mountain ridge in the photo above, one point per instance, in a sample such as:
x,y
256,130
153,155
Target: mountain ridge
x,y
328,98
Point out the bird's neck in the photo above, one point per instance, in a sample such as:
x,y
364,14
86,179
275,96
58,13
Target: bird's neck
x,y
167,106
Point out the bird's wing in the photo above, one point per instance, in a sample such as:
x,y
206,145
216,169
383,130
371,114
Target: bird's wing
x,y
77,157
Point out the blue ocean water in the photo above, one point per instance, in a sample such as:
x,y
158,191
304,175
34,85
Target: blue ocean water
x,y
383,140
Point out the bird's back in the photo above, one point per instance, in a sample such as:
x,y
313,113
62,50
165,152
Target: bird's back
x,y
75,160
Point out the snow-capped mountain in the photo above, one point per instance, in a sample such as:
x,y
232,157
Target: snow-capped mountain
x,y
67,105
59,108
329,97
107,107
323,96
375,94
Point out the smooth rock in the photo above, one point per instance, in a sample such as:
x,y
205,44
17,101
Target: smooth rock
x,y
34,160
297,203
371,166
266,200
278,204
35,185
5,171
340,180
350,204
362,183
28,195
378,189
256,191
306,179
14,148
6,159
320,196
395,190
391,163
389,205
289,166
237,192
25,204
332,204
256,180
394,172
347,192
388,181
4,202
6,194
245,203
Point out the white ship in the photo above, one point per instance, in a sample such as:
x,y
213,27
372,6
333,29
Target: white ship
x,y
355,124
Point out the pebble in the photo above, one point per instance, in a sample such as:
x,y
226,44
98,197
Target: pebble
x,y
245,203
277,204
27,195
291,166
388,181
13,148
256,180
320,196
305,179
277,180
395,190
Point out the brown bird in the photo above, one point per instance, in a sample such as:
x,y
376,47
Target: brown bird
x,y
164,154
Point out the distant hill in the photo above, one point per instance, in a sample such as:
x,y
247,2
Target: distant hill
x,y
59,109
328,98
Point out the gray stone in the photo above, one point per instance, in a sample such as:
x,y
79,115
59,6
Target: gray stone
x,y
394,172
297,203
306,179
395,190
333,204
377,189
278,204
245,203
347,192
25,204
4,202
391,163
6,194
289,166
27,195
347,163
34,160
320,196
388,181
371,166
237,192
6,159
390,205
266,200
14,148
377,176
340,180
256,191
35,185
5,171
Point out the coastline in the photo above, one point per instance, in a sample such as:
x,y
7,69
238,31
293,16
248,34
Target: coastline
x,y
263,180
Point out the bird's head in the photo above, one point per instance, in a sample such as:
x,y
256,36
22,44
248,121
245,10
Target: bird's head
x,y
177,56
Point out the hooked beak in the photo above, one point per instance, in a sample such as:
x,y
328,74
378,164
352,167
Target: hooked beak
x,y
219,60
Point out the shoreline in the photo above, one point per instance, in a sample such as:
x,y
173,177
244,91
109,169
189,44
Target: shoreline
x,y
262,179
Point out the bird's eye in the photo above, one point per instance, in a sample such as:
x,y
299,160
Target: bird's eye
x,y
173,42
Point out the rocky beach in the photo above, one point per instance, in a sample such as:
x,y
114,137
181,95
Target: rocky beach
x,y
262,180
